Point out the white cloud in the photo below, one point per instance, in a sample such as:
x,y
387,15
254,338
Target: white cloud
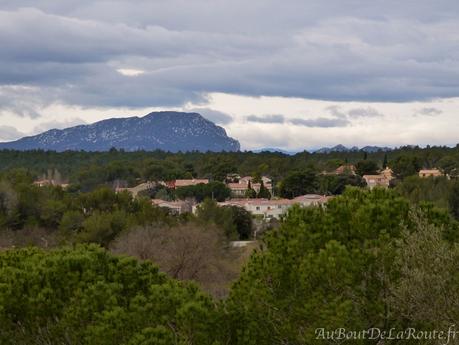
x,y
130,72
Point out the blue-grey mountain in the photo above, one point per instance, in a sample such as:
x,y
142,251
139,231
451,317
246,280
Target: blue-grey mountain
x,y
165,130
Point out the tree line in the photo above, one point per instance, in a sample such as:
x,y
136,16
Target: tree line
x,y
90,169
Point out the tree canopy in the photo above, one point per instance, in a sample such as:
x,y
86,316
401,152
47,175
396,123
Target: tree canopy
x,y
326,268
88,296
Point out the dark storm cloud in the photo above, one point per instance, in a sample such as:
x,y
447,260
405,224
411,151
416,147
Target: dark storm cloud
x,y
373,51
266,118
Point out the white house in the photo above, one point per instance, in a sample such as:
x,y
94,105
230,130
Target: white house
x,y
176,207
430,173
189,182
376,181
274,208
137,189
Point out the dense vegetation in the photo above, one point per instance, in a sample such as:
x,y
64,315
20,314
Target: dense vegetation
x,y
355,264
90,169
380,258
50,216
292,175
348,265
87,296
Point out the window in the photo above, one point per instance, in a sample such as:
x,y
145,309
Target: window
x,y
258,208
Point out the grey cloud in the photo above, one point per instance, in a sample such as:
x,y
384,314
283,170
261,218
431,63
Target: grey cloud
x,y
8,133
213,115
371,51
364,112
428,112
336,111
21,101
266,118
339,113
321,122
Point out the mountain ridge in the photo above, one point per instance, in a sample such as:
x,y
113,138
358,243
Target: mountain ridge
x,y
165,130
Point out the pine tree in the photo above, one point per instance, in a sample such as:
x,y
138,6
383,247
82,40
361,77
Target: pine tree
x,y
385,161
250,192
263,192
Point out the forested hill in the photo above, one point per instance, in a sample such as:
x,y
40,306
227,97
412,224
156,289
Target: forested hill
x,y
168,131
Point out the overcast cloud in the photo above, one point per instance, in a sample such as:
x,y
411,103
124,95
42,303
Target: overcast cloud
x,y
121,54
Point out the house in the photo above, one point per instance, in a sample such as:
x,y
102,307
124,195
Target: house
x,y
185,183
246,179
273,208
430,173
43,183
345,169
46,182
256,187
388,173
192,182
137,189
238,189
175,207
262,207
232,178
312,200
376,181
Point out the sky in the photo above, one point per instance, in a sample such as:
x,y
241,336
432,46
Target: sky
x,y
291,74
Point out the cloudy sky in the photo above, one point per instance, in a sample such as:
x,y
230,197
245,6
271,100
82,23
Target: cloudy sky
x,y
291,74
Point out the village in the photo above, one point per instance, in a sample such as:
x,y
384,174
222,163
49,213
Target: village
x,y
266,207
245,191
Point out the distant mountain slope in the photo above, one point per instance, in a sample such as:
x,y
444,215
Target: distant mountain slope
x,y
274,150
165,130
342,148
337,148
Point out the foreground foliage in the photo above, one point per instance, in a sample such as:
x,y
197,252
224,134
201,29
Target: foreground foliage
x,y
87,296
339,266
367,259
